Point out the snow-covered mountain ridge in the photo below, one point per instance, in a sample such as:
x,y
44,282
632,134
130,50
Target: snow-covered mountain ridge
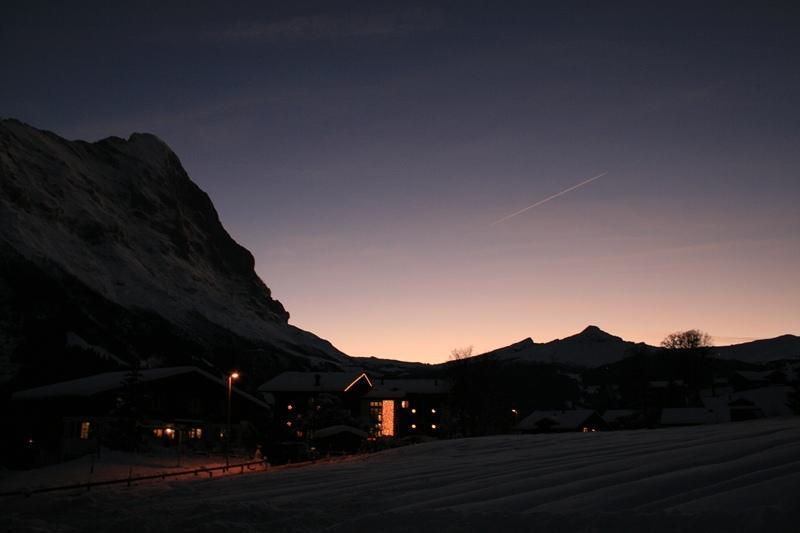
x,y
122,220
593,347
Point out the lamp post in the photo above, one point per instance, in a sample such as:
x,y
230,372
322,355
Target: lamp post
x,y
233,375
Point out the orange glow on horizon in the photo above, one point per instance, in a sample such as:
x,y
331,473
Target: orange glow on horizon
x,y
619,269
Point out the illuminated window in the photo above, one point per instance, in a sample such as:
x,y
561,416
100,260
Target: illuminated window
x,y
84,435
404,404
387,418
170,433
158,433
375,417
196,433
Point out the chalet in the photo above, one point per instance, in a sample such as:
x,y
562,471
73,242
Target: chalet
x,y
167,406
624,418
668,393
691,416
767,401
743,409
306,402
585,420
339,439
744,379
400,407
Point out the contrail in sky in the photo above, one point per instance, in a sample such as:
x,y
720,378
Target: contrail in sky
x,y
556,195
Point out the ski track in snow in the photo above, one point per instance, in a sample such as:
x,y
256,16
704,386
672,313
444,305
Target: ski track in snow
x,y
727,477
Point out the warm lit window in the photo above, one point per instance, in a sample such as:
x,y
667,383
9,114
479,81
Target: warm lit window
x,y
387,418
170,433
404,404
84,435
376,417
196,433
158,433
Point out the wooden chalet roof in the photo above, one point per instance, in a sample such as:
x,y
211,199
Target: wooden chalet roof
x,y
108,381
313,381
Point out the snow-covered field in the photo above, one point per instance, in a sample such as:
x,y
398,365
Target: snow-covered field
x,y
727,477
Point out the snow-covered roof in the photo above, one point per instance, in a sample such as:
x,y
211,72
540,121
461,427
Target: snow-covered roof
x,y
312,381
398,388
686,416
108,381
771,400
567,419
336,430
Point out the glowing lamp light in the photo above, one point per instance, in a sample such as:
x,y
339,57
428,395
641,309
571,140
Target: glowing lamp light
x,y
234,375
290,407
433,411
433,426
413,411
413,426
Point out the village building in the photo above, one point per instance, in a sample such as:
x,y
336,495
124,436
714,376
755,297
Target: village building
x,y
583,420
748,379
770,401
306,403
624,418
400,407
172,406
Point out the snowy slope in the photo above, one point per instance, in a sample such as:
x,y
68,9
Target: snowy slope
x,y
122,220
726,477
764,350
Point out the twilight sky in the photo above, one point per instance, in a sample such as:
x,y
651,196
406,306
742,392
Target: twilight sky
x,y
362,152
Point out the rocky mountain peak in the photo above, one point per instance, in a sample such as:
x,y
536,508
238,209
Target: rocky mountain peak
x,y
122,218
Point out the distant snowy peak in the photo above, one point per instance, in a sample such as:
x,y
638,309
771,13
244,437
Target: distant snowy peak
x,y
123,218
594,334
594,347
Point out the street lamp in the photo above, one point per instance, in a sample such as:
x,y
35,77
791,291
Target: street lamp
x,y
233,375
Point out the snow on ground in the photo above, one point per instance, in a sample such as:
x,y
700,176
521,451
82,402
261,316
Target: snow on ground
x,y
725,477
109,465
